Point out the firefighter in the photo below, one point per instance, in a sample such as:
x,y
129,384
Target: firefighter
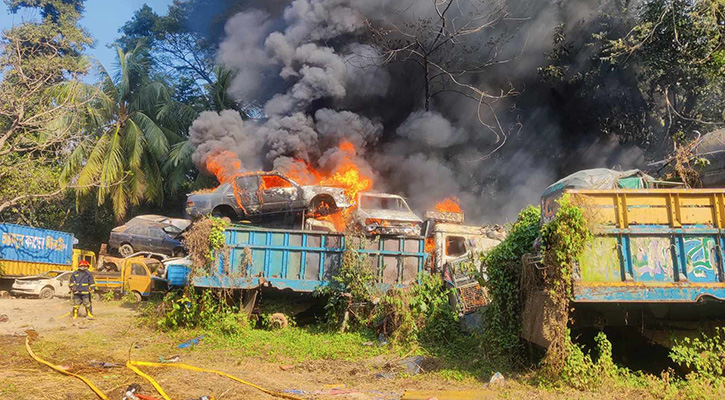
x,y
82,285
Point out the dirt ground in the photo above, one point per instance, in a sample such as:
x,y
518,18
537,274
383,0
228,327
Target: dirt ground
x,y
115,335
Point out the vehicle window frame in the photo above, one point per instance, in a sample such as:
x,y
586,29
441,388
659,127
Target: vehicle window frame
x,y
254,187
138,230
63,277
142,268
463,245
152,230
284,178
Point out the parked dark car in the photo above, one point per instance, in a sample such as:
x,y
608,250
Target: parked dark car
x,y
265,193
153,233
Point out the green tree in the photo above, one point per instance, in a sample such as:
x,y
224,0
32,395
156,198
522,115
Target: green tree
x,y
678,48
646,74
38,58
132,125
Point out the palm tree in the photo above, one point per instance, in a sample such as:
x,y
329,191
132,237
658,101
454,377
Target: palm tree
x,y
126,142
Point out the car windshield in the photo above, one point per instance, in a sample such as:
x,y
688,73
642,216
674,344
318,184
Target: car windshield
x,y
172,230
51,274
222,188
383,203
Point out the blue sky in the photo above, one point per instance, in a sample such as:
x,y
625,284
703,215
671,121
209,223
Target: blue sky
x,y
102,19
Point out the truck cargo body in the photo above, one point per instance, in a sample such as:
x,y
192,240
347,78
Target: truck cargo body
x,y
652,245
306,260
23,243
654,266
28,251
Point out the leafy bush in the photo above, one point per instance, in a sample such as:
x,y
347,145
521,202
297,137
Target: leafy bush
x,y
704,355
353,282
205,310
502,266
562,240
581,371
204,240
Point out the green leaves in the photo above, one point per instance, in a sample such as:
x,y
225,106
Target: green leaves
x,y
124,163
502,264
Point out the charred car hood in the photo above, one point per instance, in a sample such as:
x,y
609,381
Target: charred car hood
x,y
390,216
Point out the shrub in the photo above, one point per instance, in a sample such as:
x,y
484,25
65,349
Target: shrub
x,y
502,266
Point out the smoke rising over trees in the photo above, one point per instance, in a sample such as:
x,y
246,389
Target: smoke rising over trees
x,y
487,100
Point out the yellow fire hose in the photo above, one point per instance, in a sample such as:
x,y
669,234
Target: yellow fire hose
x,y
133,364
64,372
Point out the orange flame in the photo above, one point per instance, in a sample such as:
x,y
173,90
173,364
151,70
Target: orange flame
x,y
224,165
449,205
346,174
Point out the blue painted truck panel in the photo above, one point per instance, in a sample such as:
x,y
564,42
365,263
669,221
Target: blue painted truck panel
x,y
306,260
24,243
652,246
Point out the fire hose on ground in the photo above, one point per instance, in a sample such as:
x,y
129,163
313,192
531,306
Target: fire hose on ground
x,y
133,366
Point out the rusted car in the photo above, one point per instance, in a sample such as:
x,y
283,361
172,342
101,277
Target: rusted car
x,y
386,214
265,193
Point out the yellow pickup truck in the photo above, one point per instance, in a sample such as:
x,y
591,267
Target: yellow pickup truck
x,y
139,276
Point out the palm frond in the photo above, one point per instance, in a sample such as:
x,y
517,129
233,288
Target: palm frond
x,y
154,181
91,171
158,144
74,163
134,143
176,116
137,186
113,170
119,201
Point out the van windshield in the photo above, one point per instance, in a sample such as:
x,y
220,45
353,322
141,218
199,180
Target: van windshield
x,y
383,203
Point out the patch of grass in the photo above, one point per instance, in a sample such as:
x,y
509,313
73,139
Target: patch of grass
x,y
297,344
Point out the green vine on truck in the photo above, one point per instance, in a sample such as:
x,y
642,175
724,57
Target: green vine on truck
x,y
562,240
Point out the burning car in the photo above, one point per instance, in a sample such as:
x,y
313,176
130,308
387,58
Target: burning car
x,y
259,193
386,214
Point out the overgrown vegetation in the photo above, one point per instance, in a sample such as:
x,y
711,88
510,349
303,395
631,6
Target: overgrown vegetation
x,y
562,240
704,355
204,240
350,287
205,310
502,318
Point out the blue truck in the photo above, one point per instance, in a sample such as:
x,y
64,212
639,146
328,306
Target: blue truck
x,y
655,263
298,261
28,251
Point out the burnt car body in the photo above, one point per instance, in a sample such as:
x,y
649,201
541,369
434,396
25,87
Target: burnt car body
x,y
265,193
386,214
150,233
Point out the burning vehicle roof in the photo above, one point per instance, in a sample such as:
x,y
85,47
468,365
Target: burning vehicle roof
x,y
386,214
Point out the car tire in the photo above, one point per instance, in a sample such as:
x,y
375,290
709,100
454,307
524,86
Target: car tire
x,y
46,293
278,321
125,250
137,296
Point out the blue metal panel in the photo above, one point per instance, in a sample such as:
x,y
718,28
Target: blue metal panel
x,y
177,274
23,243
699,258
678,293
665,265
299,260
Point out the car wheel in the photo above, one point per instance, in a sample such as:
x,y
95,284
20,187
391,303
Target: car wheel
x,y
137,296
125,250
47,293
278,321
